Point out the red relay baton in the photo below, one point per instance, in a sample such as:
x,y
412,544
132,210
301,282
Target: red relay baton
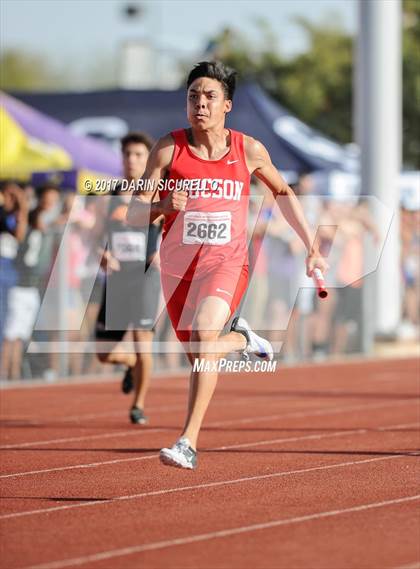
x,y
319,283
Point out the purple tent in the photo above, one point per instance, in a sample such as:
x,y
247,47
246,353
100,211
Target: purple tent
x,y
86,152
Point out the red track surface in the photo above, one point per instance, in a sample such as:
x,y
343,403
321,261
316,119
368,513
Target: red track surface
x,y
313,467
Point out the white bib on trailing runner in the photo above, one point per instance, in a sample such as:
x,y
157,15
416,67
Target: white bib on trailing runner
x,y
129,246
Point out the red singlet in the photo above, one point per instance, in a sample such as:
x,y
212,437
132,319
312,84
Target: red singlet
x,y
213,229
204,249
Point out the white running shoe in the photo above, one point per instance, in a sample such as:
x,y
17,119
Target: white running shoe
x,y
254,344
181,455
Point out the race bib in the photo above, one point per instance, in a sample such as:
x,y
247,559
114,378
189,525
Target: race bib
x,y
129,246
208,228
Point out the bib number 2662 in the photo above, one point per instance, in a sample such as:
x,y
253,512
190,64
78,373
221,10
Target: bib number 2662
x,y
212,228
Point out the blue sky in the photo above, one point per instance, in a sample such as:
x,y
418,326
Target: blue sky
x,y
69,30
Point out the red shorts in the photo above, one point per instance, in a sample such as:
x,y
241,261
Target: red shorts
x,y
182,297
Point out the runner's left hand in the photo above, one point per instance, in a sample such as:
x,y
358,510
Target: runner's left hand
x,y
315,261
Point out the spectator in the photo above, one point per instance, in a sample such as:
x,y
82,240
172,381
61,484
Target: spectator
x,y
92,279
320,322
410,253
74,220
354,221
13,224
24,300
48,208
282,270
47,211
256,297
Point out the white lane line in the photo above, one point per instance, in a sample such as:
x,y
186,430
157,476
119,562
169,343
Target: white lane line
x,y
415,565
323,436
117,461
116,434
229,447
196,487
133,431
153,546
301,413
219,423
77,466
40,421
135,459
258,443
76,418
377,376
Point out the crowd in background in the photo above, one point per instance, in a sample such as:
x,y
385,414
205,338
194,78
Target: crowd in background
x,y
280,298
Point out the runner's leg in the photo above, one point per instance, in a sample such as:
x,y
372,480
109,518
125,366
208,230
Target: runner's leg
x,y
211,316
143,366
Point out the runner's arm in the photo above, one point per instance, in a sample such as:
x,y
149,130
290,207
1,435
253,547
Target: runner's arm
x,y
145,207
259,163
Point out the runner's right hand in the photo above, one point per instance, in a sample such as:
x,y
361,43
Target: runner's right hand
x,y
174,202
109,263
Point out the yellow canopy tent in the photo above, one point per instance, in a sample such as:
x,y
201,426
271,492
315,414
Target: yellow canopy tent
x,y
36,146
20,155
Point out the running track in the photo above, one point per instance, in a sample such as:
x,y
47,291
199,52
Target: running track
x,y
311,467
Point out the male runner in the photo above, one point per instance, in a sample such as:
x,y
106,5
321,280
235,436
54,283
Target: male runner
x,y
204,263
131,294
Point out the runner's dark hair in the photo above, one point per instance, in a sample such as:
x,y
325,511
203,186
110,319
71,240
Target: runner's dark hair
x,y
215,70
137,138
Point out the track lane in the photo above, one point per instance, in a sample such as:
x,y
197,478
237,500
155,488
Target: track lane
x,y
386,468
204,510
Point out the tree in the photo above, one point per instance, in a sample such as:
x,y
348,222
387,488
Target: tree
x,y
411,83
317,85
20,71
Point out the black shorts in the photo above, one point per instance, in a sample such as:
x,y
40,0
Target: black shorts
x,y
130,299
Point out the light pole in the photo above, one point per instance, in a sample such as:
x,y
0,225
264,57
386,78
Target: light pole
x,y
377,90
137,69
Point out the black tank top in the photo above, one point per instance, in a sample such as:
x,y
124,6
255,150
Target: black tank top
x,y
133,247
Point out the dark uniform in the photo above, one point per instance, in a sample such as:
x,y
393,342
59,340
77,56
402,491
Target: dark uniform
x,y
131,295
